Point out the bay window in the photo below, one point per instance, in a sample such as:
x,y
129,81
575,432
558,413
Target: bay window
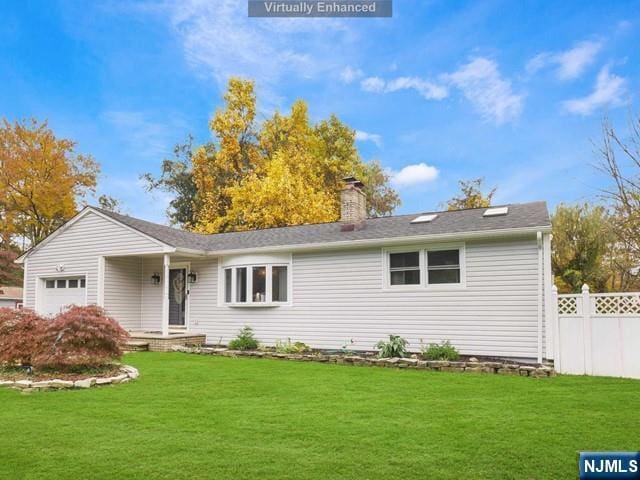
x,y
256,285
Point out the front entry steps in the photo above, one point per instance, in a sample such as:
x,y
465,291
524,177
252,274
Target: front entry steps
x,y
136,346
156,342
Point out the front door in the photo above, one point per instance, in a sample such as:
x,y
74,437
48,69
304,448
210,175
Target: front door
x,y
178,297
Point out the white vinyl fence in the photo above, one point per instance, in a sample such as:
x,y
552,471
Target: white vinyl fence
x,y
598,334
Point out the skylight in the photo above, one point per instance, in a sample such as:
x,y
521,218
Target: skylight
x,y
494,212
425,218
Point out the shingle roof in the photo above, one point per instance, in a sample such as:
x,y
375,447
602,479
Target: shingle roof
x,y
525,215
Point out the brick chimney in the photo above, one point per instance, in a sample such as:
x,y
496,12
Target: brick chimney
x,y
353,202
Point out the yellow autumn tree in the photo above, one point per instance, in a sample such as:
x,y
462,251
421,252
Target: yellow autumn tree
x,y
41,179
285,172
237,155
278,195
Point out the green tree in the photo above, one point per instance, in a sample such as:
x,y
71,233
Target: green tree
x,y
582,247
471,195
176,178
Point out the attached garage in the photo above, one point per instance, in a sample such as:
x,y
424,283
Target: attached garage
x,y
57,293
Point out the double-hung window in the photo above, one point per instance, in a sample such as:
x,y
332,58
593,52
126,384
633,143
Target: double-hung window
x,y
256,285
422,267
404,268
443,266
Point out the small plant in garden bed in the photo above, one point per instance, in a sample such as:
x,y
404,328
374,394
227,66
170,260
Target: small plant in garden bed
x,y
443,351
289,347
244,341
395,347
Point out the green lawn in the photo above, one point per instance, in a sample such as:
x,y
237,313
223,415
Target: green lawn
x,y
191,416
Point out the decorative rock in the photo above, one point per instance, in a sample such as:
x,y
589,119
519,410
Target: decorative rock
x,y
473,370
119,378
6,383
409,361
86,383
507,371
61,383
23,383
438,364
103,381
41,384
493,364
473,359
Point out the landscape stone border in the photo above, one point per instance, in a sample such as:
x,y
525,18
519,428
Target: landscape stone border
x,y
127,373
471,366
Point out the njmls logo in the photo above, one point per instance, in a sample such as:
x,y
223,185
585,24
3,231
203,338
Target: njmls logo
x,y
609,465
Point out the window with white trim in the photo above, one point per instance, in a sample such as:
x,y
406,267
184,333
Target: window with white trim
x,y
404,268
255,285
420,267
443,266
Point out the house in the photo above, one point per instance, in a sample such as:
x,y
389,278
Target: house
x,y
480,278
11,297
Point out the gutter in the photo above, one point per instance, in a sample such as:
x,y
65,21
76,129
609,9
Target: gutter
x,y
373,242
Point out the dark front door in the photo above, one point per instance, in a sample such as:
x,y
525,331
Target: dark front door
x,y
177,296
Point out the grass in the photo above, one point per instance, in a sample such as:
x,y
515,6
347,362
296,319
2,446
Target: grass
x,y
194,416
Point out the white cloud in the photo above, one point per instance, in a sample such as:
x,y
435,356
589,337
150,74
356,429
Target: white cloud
x,y
140,132
350,74
412,175
372,84
609,90
570,64
490,94
369,137
429,90
219,41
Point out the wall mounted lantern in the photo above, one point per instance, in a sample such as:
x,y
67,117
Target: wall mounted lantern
x,y
192,277
155,279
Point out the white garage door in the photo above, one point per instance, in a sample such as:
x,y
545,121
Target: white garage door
x,y
60,292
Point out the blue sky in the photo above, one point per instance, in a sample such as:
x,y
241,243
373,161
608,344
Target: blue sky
x,y
512,91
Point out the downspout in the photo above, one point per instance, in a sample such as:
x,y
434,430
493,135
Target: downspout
x,y
540,287
25,284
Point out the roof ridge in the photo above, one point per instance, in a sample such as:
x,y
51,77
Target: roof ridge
x,y
210,235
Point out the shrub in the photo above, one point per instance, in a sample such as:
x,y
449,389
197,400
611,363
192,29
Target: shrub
x,y
395,347
288,347
244,341
80,337
20,335
443,351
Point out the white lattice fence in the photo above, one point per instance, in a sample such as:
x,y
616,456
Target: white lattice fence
x,y
567,304
598,334
616,304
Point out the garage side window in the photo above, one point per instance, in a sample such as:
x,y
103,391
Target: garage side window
x,y
50,284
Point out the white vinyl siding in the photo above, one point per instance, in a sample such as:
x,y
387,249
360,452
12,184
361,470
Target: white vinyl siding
x,y
339,296
78,249
123,290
